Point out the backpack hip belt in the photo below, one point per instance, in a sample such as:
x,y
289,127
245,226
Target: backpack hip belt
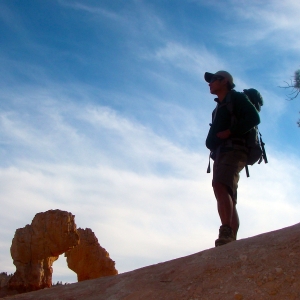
x,y
234,144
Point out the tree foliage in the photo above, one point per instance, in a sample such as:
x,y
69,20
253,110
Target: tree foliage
x,y
293,86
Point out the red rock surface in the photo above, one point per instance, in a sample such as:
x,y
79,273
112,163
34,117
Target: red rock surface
x,y
35,247
89,260
261,268
4,278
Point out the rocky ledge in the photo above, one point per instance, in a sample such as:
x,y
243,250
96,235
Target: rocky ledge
x,y
264,267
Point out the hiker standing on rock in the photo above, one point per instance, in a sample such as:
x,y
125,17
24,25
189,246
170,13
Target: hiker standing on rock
x,y
226,142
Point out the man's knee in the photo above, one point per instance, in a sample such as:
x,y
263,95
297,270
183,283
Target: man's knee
x,y
221,192
218,186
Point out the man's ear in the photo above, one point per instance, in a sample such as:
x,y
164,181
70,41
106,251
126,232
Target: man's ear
x,y
224,81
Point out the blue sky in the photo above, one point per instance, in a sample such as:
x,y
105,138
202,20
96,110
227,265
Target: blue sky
x,y
104,113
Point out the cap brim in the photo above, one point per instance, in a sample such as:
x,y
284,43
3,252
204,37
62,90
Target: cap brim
x,y
208,76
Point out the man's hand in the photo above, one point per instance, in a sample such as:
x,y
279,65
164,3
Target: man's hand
x,y
224,134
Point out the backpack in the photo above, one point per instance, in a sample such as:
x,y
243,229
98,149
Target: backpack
x,y
253,138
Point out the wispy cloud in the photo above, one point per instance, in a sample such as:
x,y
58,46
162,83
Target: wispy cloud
x,y
189,59
278,15
91,9
136,19
270,21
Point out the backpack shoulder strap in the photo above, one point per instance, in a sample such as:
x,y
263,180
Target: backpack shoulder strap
x,y
230,104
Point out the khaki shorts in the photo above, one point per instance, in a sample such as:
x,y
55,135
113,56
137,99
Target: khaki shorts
x,y
226,169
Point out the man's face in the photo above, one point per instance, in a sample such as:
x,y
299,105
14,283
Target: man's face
x,y
217,84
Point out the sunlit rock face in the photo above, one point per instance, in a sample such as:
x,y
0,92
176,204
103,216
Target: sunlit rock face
x,y
89,260
35,247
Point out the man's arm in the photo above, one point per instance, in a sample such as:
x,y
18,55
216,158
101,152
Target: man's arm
x,y
224,134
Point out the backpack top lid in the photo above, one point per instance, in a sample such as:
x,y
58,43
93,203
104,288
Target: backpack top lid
x,y
255,97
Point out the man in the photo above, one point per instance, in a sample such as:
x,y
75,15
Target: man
x,y
226,141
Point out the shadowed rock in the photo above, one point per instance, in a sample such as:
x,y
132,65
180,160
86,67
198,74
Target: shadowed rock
x,y
4,278
89,260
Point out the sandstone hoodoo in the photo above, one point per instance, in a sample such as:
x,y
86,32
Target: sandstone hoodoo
x,y
89,260
35,247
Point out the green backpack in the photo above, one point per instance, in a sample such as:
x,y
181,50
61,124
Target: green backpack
x,y
254,142
253,138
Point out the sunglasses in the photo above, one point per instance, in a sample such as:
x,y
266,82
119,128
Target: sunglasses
x,y
214,78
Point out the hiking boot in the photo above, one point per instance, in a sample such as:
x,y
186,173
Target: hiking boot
x,y
226,236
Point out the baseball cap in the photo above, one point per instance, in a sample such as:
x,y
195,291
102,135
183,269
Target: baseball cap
x,y
208,76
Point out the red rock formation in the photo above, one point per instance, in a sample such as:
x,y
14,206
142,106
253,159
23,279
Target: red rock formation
x,y
89,260
35,247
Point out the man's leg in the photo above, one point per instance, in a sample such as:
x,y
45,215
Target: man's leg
x,y
226,207
225,182
235,221
225,203
228,214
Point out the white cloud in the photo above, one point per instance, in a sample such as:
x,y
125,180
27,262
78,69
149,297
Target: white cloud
x,y
269,198
247,23
119,183
189,59
122,207
276,21
277,14
95,10
135,19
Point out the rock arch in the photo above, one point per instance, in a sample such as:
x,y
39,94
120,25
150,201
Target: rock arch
x,y
37,246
